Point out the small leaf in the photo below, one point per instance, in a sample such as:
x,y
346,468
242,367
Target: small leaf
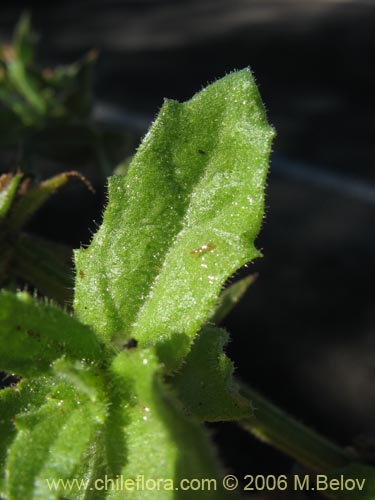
x,y
17,115
23,397
205,385
24,40
8,188
85,379
27,86
92,468
19,77
182,220
50,444
175,447
230,297
39,99
33,334
73,85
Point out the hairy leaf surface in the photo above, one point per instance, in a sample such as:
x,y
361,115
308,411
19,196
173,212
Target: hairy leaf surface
x,y
33,334
51,443
23,397
175,448
177,225
205,383
182,220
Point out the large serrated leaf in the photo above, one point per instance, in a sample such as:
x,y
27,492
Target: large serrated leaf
x,y
33,334
205,383
182,220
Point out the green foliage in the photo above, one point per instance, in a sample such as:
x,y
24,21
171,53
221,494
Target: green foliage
x,y
25,397
34,334
38,262
8,189
181,221
25,41
230,296
96,401
31,97
45,114
175,447
51,442
120,388
205,385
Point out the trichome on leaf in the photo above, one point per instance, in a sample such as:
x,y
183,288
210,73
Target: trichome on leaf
x,y
180,222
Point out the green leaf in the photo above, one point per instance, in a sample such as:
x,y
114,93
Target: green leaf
x,y
85,379
73,86
8,189
205,385
26,85
19,115
18,75
50,444
33,334
181,221
38,99
24,40
230,297
23,397
173,446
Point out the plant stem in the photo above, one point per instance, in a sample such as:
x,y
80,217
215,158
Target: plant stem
x,y
273,426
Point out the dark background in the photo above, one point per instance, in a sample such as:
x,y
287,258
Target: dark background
x,y
304,333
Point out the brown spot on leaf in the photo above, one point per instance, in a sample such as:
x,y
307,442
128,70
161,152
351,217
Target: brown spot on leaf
x,y
203,249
